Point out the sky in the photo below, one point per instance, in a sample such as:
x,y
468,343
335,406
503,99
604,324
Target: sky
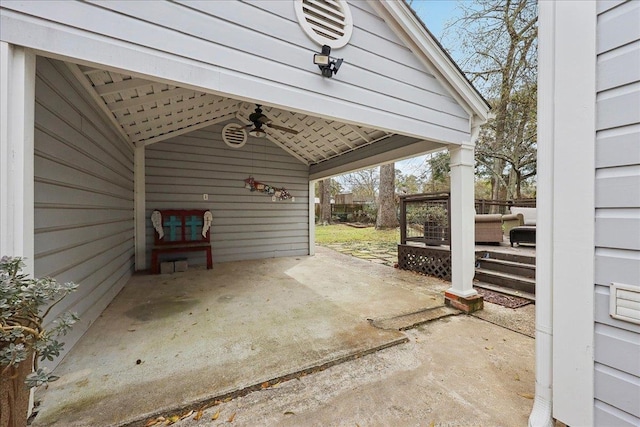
x,y
435,14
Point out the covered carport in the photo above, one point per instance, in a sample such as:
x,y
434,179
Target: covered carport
x,y
107,109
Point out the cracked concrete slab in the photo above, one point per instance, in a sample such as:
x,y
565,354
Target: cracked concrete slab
x,y
173,341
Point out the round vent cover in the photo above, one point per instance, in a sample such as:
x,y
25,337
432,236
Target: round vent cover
x,y
325,21
234,135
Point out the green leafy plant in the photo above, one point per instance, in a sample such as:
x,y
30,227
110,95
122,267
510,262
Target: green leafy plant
x,y
24,304
432,213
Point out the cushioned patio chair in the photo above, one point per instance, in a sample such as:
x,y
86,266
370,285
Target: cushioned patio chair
x,y
489,228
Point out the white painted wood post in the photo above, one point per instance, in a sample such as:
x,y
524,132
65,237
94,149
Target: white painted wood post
x,y
140,208
462,221
571,186
312,217
17,116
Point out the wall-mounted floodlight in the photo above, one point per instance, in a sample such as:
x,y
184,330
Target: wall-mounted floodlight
x,y
327,65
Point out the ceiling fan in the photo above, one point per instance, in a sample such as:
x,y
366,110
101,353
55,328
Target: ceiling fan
x,y
258,120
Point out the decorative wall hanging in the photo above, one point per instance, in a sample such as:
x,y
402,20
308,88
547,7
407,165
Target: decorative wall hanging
x,y
278,193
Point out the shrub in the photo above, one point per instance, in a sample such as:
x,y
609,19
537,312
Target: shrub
x,y
24,304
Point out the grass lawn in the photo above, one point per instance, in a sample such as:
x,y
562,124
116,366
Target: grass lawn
x,y
358,241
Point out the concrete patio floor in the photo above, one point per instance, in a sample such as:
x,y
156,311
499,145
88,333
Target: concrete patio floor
x,y
171,341
455,371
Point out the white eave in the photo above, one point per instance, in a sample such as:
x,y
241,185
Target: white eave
x,y
412,31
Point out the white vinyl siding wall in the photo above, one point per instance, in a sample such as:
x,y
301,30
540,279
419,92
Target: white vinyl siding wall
x,y
617,238
246,225
254,50
83,196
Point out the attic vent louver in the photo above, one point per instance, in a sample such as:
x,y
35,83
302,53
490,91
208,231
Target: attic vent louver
x,y
325,21
234,135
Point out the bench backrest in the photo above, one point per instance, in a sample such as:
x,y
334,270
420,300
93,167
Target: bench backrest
x,y
181,226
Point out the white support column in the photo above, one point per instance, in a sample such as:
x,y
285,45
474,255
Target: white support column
x,y
140,197
312,217
17,116
462,221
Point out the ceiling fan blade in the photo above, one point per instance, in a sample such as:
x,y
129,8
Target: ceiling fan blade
x,y
283,129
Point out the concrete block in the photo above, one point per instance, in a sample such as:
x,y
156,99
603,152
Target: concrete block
x,y
181,265
167,267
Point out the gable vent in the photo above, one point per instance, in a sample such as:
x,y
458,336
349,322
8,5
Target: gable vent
x,y
234,135
325,21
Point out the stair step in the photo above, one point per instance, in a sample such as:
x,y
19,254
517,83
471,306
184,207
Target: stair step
x,y
524,259
519,283
510,267
506,291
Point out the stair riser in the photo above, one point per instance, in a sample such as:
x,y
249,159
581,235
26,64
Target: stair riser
x,y
524,259
511,283
524,271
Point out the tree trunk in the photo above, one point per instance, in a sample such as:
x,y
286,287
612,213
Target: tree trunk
x,y
325,201
387,217
513,184
498,166
14,395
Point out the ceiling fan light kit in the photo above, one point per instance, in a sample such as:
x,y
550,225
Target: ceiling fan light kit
x,y
258,133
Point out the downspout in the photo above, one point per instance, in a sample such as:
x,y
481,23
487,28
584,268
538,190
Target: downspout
x,y
542,412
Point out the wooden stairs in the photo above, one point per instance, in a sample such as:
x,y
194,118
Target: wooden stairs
x,y
511,274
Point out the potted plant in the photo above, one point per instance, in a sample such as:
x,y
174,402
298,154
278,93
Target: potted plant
x,y
435,224
24,304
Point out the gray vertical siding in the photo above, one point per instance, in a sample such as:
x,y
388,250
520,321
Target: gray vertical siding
x,y
617,343
246,225
83,196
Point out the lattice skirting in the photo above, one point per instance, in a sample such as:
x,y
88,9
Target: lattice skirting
x,y
425,260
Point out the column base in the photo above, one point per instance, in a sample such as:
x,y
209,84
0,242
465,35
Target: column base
x,y
465,304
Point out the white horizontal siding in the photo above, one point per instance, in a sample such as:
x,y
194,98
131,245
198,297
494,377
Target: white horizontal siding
x,y
618,187
618,228
604,5
83,196
618,26
617,198
618,107
612,385
618,147
257,49
616,265
617,68
618,347
607,415
246,225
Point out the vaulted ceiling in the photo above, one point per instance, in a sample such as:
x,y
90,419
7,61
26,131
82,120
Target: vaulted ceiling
x,y
145,112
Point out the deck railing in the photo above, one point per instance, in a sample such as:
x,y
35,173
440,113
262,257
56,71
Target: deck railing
x,y
425,218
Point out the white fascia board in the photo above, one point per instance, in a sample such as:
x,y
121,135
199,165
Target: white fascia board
x,y
418,39
56,41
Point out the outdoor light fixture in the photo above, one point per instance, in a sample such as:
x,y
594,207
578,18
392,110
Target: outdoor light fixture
x,y
323,60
